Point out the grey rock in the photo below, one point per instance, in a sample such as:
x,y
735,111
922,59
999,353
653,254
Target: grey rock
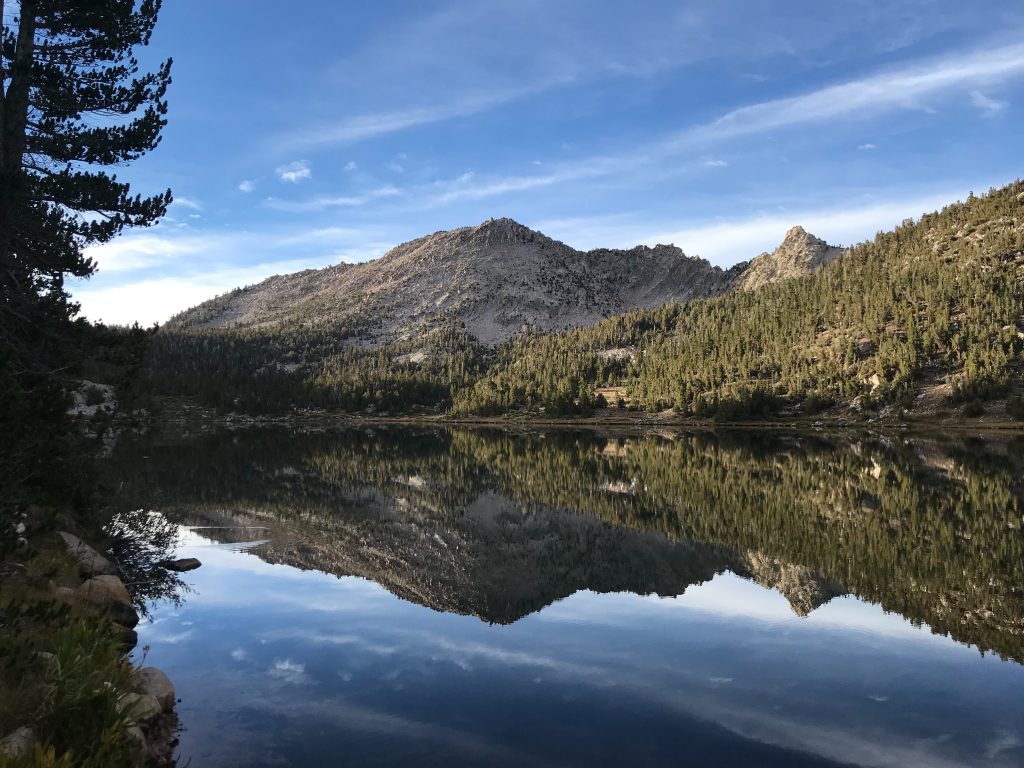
x,y
799,253
90,562
181,565
110,593
496,278
140,707
154,682
139,744
18,744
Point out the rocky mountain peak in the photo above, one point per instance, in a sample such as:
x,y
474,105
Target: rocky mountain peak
x,y
494,279
799,253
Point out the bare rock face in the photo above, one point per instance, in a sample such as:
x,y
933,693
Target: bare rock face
x,y
496,278
799,253
90,562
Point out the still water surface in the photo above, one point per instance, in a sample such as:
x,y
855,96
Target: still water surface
x,y
434,597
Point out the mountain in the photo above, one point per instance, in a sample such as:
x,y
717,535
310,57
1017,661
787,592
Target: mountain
x,y
926,319
497,279
799,253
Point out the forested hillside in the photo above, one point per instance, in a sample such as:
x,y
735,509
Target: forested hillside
x,y
928,317
933,310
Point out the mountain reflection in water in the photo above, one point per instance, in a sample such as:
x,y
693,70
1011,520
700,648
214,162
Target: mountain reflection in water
x,y
623,587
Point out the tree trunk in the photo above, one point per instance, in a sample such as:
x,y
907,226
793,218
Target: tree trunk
x,y
15,125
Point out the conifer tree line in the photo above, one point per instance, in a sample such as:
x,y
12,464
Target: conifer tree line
x,y
937,302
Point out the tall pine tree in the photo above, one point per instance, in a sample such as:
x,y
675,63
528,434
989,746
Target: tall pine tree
x,y
73,101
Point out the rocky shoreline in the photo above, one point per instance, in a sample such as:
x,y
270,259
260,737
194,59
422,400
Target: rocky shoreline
x,y
148,709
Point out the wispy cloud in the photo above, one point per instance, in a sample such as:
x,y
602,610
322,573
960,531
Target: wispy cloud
x,y
907,87
989,107
867,147
901,88
246,186
294,172
187,202
324,203
351,130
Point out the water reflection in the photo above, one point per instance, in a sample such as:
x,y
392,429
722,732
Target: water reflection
x,y
682,598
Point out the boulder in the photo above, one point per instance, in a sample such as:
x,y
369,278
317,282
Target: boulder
x,y
90,562
18,745
139,744
153,682
180,565
139,707
109,593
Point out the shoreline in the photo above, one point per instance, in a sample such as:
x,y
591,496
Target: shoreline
x,y
190,413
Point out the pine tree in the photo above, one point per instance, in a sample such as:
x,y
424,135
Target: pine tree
x,y
73,101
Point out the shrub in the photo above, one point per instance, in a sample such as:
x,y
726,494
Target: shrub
x,y
1015,407
973,408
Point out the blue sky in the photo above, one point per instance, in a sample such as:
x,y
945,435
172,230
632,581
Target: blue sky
x,y
306,135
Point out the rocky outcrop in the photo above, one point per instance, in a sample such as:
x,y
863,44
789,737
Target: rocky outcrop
x,y
799,253
90,562
496,279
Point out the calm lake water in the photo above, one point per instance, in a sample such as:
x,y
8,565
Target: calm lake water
x,y
459,597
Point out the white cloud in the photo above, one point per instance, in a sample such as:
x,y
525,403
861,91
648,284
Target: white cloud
x,y
289,671
340,201
246,186
395,166
462,187
989,107
294,172
716,163
350,166
186,202
867,147
142,251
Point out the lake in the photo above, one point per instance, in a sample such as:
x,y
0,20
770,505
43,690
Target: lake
x,y
429,596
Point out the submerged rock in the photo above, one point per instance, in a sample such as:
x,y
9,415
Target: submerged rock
x,y
90,562
109,592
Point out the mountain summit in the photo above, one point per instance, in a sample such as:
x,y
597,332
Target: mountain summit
x,y
497,279
799,253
